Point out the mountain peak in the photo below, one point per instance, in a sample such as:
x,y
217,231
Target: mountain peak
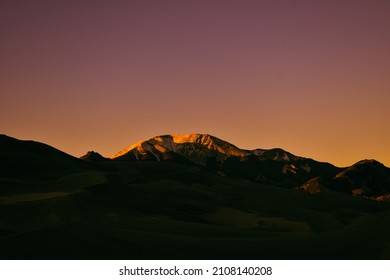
x,y
368,162
185,138
93,156
188,146
197,148
188,138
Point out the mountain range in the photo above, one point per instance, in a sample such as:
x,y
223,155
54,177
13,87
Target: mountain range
x,y
366,178
191,196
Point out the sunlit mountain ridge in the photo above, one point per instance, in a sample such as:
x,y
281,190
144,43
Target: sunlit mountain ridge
x,y
274,166
196,145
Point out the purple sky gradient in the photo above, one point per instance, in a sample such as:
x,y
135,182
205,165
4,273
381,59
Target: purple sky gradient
x,y
312,77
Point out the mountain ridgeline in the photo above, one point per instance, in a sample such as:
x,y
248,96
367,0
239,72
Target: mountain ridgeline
x,y
276,167
367,178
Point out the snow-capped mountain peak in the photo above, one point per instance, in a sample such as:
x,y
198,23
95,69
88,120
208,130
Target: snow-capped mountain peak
x,y
195,147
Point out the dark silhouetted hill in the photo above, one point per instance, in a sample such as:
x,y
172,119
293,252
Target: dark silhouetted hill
x,y
20,158
366,178
92,156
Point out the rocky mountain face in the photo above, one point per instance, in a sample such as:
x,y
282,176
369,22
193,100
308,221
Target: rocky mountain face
x,y
274,166
197,148
366,178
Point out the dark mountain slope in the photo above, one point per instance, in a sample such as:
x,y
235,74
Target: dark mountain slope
x,y
285,174
20,158
367,178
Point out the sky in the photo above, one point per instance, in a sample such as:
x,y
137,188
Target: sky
x,y
311,77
